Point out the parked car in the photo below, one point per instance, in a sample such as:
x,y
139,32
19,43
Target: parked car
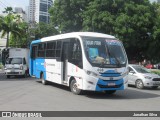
x,y
142,77
149,66
157,66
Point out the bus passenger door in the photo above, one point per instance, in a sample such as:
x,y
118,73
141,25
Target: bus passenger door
x,y
33,60
65,60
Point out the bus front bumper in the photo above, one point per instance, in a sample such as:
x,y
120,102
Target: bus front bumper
x,y
104,85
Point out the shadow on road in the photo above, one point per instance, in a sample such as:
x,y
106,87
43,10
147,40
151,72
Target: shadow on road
x,y
130,93
62,87
14,78
124,94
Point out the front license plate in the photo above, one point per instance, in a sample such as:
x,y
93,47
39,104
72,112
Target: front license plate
x,y
111,84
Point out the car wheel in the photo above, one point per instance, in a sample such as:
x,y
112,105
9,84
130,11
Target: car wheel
x,y
139,84
109,92
44,82
154,87
74,88
25,75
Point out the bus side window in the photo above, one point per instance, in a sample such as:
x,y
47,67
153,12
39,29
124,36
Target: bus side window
x,y
58,49
75,56
34,52
41,50
50,49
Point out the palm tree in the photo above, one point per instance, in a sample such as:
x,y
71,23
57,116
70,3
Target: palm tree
x,y
9,26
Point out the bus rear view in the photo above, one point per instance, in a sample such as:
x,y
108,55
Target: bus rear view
x,y
81,60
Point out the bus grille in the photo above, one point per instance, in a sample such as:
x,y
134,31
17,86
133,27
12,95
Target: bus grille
x,y
110,74
106,86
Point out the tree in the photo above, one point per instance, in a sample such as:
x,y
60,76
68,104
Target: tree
x,y
66,15
23,40
134,27
9,26
99,16
8,10
155,35
130,21
43,30
133,22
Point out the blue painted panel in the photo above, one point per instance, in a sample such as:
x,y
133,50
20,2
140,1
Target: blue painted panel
x,y
103,85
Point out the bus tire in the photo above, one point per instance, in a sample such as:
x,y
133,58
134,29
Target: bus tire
x,y
74,88
109,92
44,82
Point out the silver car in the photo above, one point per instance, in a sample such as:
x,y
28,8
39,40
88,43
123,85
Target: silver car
x,y
142,77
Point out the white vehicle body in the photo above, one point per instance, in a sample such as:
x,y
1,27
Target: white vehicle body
x,y
66,60
141,77
17,62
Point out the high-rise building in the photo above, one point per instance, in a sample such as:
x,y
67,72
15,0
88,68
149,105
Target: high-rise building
x,y
31,11
38,10
19,11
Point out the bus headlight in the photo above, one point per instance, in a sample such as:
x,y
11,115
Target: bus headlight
x,y
91,73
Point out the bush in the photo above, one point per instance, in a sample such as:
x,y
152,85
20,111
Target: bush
x,y
1,66
156,71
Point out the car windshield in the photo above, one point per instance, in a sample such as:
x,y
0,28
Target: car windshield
x,y
141,69
14,61
103,52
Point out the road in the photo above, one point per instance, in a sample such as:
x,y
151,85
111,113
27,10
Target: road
x,y
28,94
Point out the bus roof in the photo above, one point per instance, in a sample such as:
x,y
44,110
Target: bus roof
x,y
75,34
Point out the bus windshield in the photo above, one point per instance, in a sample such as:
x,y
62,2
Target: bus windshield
x,y
104,52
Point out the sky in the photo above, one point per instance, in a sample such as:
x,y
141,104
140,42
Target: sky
x,y
13,3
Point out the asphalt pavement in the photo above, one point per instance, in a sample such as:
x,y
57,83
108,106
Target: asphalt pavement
x,y
28,94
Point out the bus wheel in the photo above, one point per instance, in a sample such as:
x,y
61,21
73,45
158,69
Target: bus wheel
x,y
74,88
109,92
44,82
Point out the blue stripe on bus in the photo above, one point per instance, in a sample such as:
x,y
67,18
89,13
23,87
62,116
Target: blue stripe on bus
x,y
110,73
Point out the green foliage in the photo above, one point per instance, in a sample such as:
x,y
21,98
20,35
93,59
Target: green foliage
x,y
66,15
136,22
11,26
156,71
43,30
130,21
1,66
21,41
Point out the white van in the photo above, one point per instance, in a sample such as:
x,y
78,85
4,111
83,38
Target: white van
x,y
17,62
